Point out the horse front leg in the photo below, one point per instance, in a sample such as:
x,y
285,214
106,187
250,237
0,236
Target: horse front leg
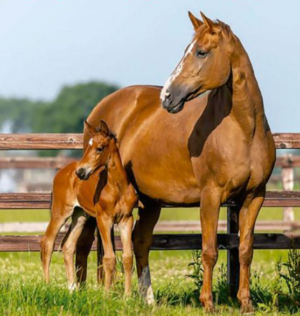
x,y
247,219
209,214
126,231
105,224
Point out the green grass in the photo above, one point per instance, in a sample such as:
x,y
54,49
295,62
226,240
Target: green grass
x,y
22,291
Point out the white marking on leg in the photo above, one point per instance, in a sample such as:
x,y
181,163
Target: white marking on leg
x,y
145,286
91,142
176,72
72,287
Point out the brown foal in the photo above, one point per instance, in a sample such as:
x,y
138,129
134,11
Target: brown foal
x,y
110,198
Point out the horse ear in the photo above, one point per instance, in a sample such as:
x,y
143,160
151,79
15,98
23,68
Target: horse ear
x,y
208,22
196,22
103,128
92,131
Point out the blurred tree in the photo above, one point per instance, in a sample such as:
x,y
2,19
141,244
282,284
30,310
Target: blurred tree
x,y
18,114
64,115
71,107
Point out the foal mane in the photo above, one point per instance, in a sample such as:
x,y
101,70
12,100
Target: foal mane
x,y
110,134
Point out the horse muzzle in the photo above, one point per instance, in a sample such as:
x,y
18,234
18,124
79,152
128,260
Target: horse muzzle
x,y
171,106
82,173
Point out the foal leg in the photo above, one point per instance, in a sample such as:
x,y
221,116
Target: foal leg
x,y
126,231
247,218
105,223
209,213
58,219
142,240
69,245
83,248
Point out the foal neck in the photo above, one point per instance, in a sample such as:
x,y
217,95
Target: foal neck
x,y
115,169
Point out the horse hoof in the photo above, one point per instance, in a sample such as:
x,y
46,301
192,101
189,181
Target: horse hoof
x,y
150,297
247,308
208,307
72,287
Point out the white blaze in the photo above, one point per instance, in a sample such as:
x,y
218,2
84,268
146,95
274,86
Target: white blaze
x,y
91,142
176,72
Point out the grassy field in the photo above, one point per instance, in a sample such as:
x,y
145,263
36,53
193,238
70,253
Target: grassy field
x,y
23,292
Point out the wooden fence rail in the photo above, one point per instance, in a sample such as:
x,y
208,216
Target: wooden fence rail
x,y
227,241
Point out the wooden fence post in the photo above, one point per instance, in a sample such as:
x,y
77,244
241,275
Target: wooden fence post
x,y
233,265
287,174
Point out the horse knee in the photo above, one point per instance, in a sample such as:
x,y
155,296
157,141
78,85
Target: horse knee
x,y
127,262
109,263
245,253
209,256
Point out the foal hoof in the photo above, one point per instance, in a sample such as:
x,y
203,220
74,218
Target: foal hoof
x,y
72,287
208,307
247,308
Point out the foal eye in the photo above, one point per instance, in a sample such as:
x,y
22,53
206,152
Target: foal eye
x,y
201,54
100,149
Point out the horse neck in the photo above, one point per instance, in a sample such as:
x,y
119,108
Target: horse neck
x,y
115,169
247,102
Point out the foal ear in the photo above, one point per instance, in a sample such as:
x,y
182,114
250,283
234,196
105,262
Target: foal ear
x,y
208,22
196,22
103,128
92,131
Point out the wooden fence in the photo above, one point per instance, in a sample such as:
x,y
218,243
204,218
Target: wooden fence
x,y
227,241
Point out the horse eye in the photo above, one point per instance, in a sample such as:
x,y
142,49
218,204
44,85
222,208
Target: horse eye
x,y
201,53
100,149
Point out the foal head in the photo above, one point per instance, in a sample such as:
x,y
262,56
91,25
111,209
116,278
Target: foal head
x,y
204,66
98,151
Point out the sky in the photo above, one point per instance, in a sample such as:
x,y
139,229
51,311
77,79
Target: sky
x,y
46,44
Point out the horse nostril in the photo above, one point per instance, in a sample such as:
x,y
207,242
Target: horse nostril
x,y
168,95
80,173
167,100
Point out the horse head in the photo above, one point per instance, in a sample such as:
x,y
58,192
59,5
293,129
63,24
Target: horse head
x,y
205,65
98,151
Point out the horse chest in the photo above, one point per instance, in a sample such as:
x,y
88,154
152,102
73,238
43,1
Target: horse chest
x,y
117,203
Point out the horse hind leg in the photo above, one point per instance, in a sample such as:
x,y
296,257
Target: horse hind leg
x,y
83,248
247,219
79,218
142,240
58,219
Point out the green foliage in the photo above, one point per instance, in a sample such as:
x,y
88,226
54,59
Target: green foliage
x,y
19,113
71,107
64,115
221,289
290,273
197,274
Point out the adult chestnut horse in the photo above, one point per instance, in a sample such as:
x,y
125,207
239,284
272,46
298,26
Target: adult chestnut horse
x,y
198,146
